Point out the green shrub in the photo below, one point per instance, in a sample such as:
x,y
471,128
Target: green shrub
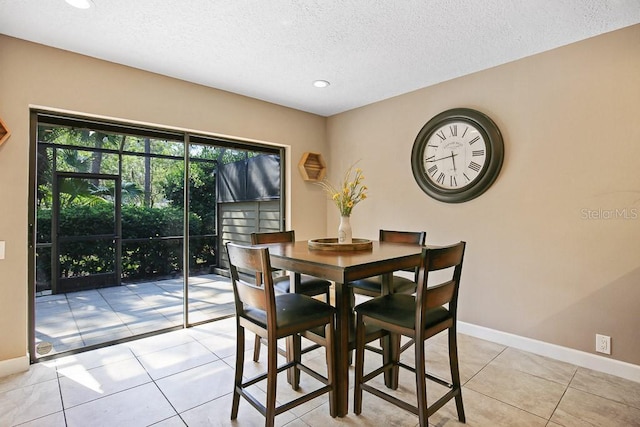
x,y
151,242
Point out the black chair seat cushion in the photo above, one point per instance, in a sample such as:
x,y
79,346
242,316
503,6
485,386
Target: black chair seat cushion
x,y
401,285
400,310
309,285
292,309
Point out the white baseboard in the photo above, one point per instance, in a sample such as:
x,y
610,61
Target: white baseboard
x,y
13,366
553,351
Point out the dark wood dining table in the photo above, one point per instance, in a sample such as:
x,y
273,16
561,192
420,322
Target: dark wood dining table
x,y
343,267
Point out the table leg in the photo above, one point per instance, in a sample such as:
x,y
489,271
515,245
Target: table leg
x,y
343,321
388,345
293,374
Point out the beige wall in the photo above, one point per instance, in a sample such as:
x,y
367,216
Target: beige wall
x,y
32,74
535,266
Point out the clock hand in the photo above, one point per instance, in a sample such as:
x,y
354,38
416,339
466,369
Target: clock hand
x,y
453,160
441,158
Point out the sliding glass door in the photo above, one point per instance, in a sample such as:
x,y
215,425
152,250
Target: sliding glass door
x,y
128,230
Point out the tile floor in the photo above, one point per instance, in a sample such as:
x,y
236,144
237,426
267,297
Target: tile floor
x,y
185,378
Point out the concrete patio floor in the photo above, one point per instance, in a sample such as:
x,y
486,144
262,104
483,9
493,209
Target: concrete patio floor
x,y
77,319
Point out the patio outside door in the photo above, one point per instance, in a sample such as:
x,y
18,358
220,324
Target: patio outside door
x,y
127,230
85,253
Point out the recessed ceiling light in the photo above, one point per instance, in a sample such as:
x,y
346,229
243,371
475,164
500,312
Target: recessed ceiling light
x,y
80,4
321,83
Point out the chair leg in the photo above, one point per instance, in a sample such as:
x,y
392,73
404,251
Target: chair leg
x,y
359,369
421,384
256,348
239,369
391,354
272,382
294,353
455,372
331,367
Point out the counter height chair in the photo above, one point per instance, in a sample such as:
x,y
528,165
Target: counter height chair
x,y
309,285
418,317
372,286
273,315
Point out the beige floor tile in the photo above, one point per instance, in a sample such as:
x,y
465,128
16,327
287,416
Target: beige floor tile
x,y
473,355
79,385
142,405
578,408
37,373
176,359
375,412
484,411
607,386
224,345
540,366
53,420
171,422
29,403
158,342
204,383
217,413
95,358
525,391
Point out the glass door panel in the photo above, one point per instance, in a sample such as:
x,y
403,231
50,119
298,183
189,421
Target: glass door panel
x,y
209,294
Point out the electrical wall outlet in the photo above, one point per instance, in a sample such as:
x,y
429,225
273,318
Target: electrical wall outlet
x,y
2,249
603,344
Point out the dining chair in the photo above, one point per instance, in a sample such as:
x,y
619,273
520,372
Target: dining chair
x,y
272,315
309,285
372,286
418,317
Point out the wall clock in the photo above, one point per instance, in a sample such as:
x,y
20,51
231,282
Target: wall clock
x,y
457,155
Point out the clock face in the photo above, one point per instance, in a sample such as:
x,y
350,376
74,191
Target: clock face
x,y
457,155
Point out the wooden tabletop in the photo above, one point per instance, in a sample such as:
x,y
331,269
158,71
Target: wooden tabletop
x,y
343,267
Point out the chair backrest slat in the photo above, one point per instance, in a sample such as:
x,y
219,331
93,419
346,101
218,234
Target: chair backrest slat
x,y
273,237
409,237
440,294
251,295
446,257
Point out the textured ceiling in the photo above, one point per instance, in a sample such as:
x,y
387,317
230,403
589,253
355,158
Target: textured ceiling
x,y
273,50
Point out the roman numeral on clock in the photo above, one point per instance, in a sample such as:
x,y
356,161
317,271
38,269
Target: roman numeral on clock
x,y
440,179
477,153
452,181
454,130
474,140
474,166
441,135
432,170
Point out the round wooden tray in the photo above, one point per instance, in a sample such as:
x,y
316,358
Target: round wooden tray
x,y
331,244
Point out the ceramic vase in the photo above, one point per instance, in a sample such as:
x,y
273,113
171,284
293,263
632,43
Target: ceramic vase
x,y
344,230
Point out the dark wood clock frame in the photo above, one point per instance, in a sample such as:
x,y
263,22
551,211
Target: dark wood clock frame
x,y
491,168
